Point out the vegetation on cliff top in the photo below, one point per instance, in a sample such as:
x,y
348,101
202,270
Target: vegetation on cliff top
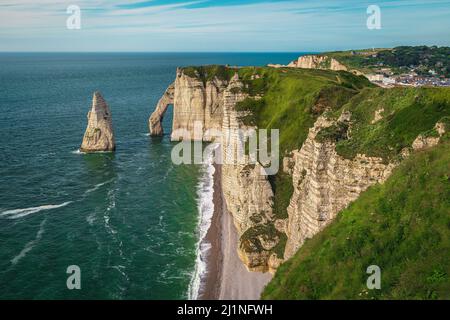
x,y
402,226
289,100
404,113
399,59
208,73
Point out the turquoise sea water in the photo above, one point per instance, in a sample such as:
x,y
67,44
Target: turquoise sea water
x,y
128,219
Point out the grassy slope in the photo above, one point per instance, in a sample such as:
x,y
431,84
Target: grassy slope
x,y
402,226
292,101
407,113
290,98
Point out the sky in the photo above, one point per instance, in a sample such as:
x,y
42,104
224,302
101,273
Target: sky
x,y
220,25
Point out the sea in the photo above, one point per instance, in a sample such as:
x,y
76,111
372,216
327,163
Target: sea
x,y
129,222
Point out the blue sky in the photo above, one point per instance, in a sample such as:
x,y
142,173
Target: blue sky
x,y
220,25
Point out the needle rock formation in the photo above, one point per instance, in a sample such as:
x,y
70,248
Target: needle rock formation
x,y
99,135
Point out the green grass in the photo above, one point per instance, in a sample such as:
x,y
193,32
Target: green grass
x,y
208,73
289,100
407,113
293,98
398,59
403,226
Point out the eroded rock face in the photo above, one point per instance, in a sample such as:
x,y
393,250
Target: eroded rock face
x,y
195,103
324,184
247,192
317,62
99,135
422,142
155,121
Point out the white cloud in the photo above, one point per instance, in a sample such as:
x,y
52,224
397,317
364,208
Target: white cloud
x,y
269,26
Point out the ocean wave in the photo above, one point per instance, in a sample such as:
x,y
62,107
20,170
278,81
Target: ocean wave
x,y
98,186
20,213
205,192
30,245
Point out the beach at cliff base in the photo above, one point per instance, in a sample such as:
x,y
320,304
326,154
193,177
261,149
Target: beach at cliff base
x,y
226,276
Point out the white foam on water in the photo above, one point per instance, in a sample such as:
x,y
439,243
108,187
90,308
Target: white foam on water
x,y
205,204
91,218
80,152
20,213
98,186
30,245
106,215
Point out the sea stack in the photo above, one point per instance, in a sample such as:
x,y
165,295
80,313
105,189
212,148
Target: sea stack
x,y
99,135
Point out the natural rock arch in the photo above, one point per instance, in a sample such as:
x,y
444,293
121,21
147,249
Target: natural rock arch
x,y
155,121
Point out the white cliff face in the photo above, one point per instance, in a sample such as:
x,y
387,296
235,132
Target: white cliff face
x,y
324,184
337,66
247,192
196,102
317,62
99,135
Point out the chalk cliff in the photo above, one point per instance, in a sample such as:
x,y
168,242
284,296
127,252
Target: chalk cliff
x,y
323,181
247,192
155,121
99,135
324,184
195,102
248,195
317,62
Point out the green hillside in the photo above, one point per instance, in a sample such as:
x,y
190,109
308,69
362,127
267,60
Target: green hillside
x,y
402,226
405,113
289,100
400,59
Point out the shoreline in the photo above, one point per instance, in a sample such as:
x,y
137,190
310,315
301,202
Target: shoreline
x,y
210,284
226,275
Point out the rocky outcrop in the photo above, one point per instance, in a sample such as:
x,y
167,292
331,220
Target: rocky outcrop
x,y
317,62
155,121
324,184
247,192
424,142
195,103
378,116
99,135
337,66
